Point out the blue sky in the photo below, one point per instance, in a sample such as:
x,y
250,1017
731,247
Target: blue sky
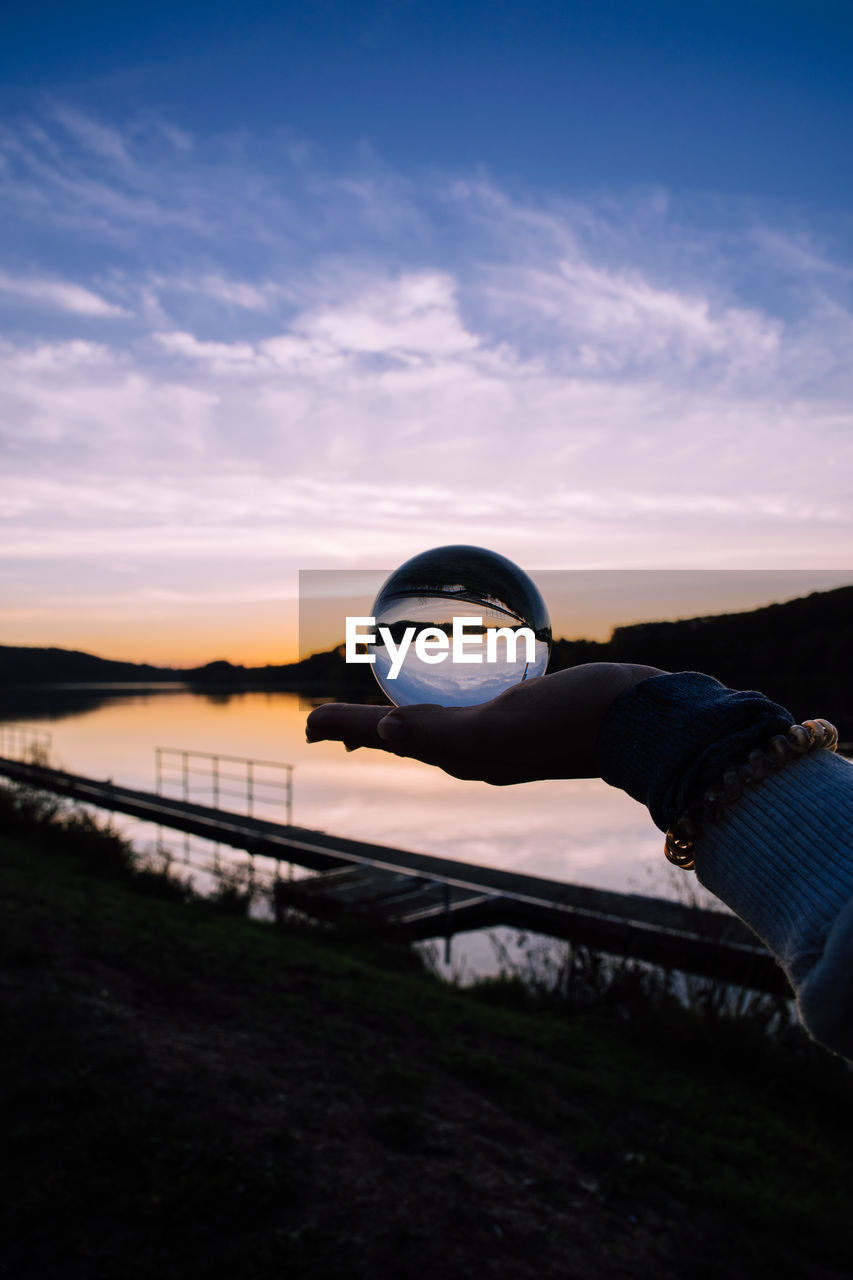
x,y
751,97
319,286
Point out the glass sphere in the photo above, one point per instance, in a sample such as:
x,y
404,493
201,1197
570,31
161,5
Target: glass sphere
x,y
457,626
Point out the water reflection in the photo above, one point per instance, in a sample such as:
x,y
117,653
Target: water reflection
x,y
579,831
583,831
56,701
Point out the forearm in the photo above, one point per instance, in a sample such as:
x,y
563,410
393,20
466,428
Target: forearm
x,y
781,856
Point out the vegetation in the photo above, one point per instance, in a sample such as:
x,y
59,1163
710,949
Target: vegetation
x,y
188,1093
798,653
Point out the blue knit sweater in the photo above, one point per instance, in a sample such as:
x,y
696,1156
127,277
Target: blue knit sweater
x,y
781,856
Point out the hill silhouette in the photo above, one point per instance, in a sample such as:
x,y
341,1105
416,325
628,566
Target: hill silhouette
x,y
797,652
32,668
40,666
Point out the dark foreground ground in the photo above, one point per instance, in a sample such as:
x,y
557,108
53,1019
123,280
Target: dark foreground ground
x,y
188,1094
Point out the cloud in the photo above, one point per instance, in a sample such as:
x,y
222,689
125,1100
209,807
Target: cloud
x,y
609,321
413,316
90,182
59,295
234,293
219,356
298,367
106,143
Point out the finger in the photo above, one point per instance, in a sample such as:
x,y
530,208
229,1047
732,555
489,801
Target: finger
x,y
430,732
350,723
438,736
455,739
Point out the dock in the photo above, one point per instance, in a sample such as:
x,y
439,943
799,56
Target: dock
x,y
415,896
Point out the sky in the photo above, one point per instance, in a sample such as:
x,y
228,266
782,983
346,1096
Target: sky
x,y
319,286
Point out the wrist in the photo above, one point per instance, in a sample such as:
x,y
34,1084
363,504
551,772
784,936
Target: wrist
x,y
670,736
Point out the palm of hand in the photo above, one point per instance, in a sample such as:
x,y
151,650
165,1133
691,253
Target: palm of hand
x,y
543,728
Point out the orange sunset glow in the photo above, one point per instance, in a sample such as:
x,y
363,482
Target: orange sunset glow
x,y
582,605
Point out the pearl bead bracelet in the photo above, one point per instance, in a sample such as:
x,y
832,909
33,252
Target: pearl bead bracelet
x,y
780,750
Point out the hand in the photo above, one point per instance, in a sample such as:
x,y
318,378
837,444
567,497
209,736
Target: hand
x,y
542,728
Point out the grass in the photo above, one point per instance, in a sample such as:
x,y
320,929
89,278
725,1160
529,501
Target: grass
x,y
188,1093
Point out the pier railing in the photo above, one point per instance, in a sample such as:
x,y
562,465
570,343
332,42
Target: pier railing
x,y
195,774
23,742
230,784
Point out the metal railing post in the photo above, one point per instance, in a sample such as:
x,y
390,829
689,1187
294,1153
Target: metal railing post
x,y
254,788
186,756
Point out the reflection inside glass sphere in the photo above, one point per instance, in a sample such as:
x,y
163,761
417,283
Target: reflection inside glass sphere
x,y
456,626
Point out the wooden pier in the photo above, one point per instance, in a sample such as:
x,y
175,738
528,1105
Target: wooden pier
x,y
416,896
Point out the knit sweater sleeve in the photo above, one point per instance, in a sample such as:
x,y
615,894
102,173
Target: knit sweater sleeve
x,y
781,857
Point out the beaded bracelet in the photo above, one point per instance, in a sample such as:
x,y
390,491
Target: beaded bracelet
x,y
780,750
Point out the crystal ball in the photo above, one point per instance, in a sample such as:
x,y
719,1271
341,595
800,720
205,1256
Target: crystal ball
x,y
456,626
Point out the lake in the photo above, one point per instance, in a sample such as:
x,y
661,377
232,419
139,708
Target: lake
x,y
580,831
